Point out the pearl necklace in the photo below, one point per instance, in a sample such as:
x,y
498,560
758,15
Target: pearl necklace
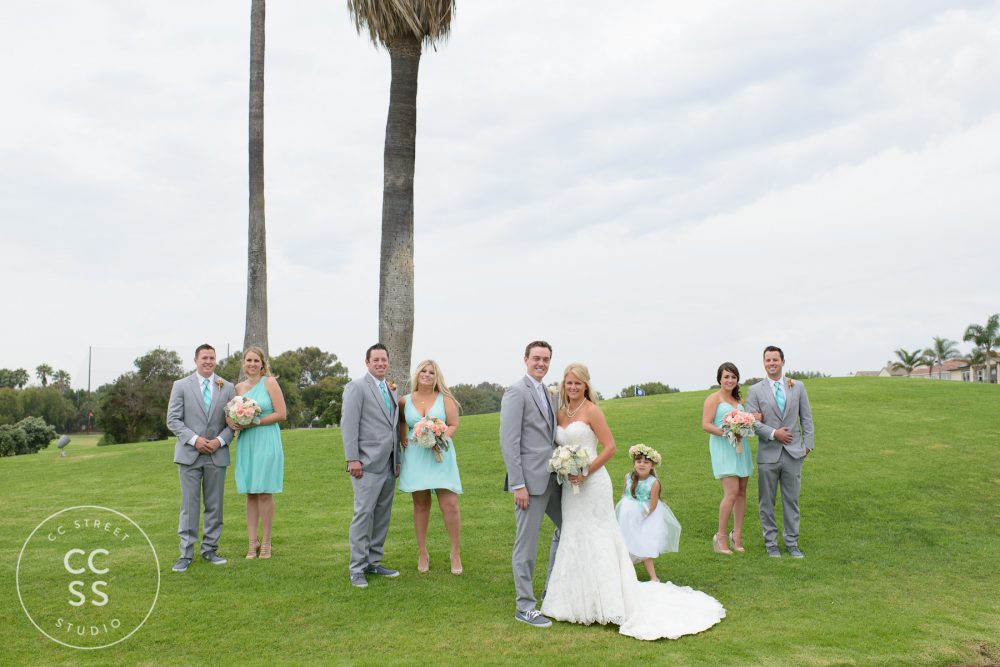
x,y
572,413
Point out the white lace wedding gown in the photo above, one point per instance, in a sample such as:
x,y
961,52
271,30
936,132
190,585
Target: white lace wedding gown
x,y
593,579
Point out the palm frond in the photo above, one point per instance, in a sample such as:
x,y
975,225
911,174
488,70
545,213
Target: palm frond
x,y
385,20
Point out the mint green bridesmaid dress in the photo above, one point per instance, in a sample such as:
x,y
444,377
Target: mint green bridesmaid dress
x,y
725,461
420,470
260,460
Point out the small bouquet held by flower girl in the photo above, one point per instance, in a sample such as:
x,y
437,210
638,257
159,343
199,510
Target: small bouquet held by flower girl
x,y
429,434
242,410
737,425
569,460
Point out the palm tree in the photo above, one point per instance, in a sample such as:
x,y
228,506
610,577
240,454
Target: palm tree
x,y
975,359
941,351
61,379
256,321
402,27
985,338
21,378
908,360
43,372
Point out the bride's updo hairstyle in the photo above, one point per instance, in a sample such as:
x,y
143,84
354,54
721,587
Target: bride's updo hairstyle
x,y
582,374
439,385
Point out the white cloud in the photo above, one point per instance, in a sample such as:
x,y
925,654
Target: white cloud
x,y
631,170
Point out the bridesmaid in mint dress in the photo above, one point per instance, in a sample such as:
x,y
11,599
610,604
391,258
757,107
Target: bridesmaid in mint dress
x,y
420,471
260,460
732,469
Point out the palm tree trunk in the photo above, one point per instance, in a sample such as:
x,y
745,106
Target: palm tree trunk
x,y
256,322
395,294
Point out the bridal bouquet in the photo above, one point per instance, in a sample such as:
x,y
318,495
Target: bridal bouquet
x,y
429,434
242,410
569,460
737,425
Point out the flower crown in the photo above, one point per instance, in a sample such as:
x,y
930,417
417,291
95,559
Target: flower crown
x,y
646,451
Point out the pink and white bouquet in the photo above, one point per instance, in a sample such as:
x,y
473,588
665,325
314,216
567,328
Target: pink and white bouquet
x,y
242,410
429,434
569,460
737,425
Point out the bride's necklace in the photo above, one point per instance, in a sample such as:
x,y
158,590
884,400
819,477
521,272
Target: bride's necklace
x,y
572,413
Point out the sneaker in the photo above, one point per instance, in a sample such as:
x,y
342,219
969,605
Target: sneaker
x,y
359,581
381,571
795,552
772,551
181,565
214,558
534,618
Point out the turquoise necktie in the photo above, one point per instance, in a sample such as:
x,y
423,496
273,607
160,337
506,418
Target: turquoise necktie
x,y
779,396
206,394
385,395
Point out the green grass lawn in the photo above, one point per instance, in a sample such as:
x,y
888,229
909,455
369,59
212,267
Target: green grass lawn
x,y
900,509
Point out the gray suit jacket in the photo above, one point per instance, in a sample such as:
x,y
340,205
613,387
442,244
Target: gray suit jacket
x,y
369,430
797,418
527,437
186,417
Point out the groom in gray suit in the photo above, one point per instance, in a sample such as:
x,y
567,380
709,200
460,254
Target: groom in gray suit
x,y
527,437
786,438
196,415
369,427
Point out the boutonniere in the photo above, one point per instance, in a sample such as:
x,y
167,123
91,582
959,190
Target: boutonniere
x,y
219,382
790,382
392,385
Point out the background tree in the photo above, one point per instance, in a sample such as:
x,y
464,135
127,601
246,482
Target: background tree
x,y
401,26
479,399
61,379
805,375
986,338
134,406
941,351
43,372
256,320
908,360
21,378
47,403
648,389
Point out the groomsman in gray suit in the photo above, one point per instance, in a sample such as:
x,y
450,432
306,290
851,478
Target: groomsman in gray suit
x,y
786,438
196,415
527,437
369,427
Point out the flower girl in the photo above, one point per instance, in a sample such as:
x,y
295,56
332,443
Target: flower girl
x,y
648,526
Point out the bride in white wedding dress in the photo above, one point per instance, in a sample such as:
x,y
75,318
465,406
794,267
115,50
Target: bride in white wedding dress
x,y
593,579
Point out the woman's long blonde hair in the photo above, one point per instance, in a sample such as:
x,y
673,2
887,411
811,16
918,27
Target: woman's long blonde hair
x,y
439,384
582,374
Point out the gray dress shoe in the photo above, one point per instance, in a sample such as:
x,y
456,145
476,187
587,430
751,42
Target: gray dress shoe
x,y
795,552
534,618
214,558
772,551
381,571
359,581
181,565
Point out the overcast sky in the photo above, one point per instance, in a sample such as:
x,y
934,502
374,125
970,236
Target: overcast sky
x,y
654,187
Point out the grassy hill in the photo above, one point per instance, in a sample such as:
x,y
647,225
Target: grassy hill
x,y
900,509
